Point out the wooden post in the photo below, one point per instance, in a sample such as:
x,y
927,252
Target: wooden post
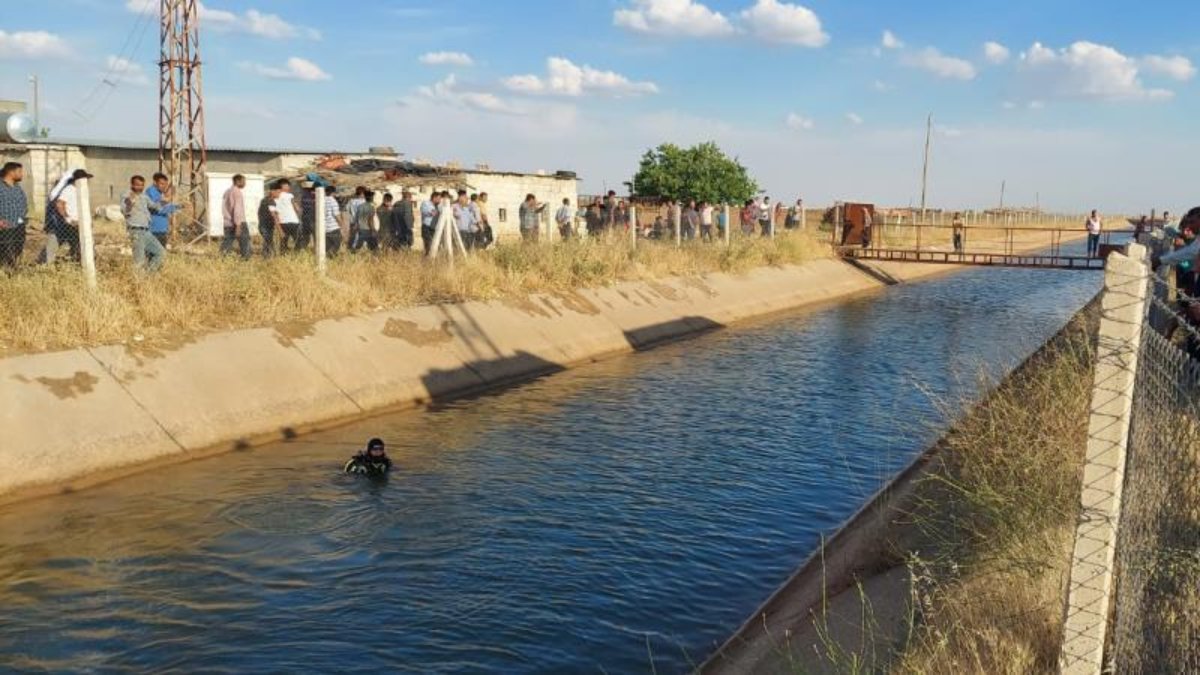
x,y
87,240
728,224
633,227
319,234
676,220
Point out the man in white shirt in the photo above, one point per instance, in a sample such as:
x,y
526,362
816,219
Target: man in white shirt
x,y
465,218
706,221
1093,229
429,214
765,213
289,218
565,219
352,212
62,218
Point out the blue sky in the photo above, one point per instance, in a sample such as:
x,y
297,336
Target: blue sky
x,y
1078,104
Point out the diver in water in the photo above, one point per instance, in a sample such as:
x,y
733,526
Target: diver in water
x,y
371,462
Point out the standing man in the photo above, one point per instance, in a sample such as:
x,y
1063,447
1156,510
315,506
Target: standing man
x,y
485,222
765,213
868,225
565,219
268,219
308,215
62,217
289,217
352,207
691,221
137,207
1093,225
464,218
383,215
333,222
364,224
531,217
610,210
957,226
14,208
402,221
429,214
706,221
233,217
160,222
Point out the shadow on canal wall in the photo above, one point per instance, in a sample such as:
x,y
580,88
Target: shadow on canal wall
x,y
80,417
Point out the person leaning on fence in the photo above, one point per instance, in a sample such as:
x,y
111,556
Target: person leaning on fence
x,y
1185,257
14,209
565,220
1093,226
268,219
233,218
333,222
137,207
62,217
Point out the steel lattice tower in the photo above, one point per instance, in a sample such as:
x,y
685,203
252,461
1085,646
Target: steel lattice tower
x,y
182,153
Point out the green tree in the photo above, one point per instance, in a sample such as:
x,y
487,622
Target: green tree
x,y
701,172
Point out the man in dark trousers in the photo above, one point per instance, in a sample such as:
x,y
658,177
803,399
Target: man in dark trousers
x,y
14,209
402,221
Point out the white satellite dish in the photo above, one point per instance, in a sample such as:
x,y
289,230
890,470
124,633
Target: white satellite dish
x,y
17,128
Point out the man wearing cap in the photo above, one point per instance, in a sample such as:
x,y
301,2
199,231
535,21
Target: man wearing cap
x,y
372,462
14,208
62,217
402,221
136,205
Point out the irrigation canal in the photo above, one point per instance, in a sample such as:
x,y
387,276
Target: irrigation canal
x,y
624,514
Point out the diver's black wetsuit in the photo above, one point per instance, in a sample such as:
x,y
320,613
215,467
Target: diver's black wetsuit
x,y
365,465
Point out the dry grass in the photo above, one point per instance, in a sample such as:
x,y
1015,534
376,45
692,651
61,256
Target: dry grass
x,y
991,532
47,309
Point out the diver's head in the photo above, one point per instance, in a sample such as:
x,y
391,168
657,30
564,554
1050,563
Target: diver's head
x,y
375,447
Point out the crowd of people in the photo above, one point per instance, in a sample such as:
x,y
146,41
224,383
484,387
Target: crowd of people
x,y
696,219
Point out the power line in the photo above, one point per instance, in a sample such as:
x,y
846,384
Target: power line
x,y
111,78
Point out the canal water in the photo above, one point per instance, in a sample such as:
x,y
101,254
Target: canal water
x,y
623,517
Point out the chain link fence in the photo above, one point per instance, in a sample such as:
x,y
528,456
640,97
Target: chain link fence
x,y
1157,601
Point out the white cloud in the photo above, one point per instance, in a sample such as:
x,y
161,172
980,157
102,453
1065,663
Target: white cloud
x,y
1175,67
948,132
447,91
890,41
679,18
854,118
295,69
784,23
1036,105
1085,70
1008,105
36,44
799,122
447,59
933,61
564,78
881,86
254,22
124,71
995,52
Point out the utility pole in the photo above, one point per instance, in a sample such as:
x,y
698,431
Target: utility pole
x,y
182,153
1003,184
37,107
925,168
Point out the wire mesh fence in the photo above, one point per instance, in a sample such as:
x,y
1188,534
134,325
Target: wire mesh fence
x,y
1157,602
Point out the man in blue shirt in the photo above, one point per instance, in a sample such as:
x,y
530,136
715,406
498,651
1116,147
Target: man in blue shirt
x,y
13,210
160,221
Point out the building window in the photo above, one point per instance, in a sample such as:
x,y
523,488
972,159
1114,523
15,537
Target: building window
x,y
503,215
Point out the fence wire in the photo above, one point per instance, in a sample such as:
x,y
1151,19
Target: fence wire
x,y
1157,610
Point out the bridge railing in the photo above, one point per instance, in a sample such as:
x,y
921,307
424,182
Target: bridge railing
x,y
996,239
1134,588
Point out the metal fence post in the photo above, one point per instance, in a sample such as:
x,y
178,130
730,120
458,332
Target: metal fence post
x,y
87,239
1091,584
676,220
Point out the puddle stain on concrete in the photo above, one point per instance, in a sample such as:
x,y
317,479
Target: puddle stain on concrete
x,y
82,382
412,333
697,283
525,305
287,334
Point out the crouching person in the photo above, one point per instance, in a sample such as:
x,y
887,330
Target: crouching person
x,y
148,253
